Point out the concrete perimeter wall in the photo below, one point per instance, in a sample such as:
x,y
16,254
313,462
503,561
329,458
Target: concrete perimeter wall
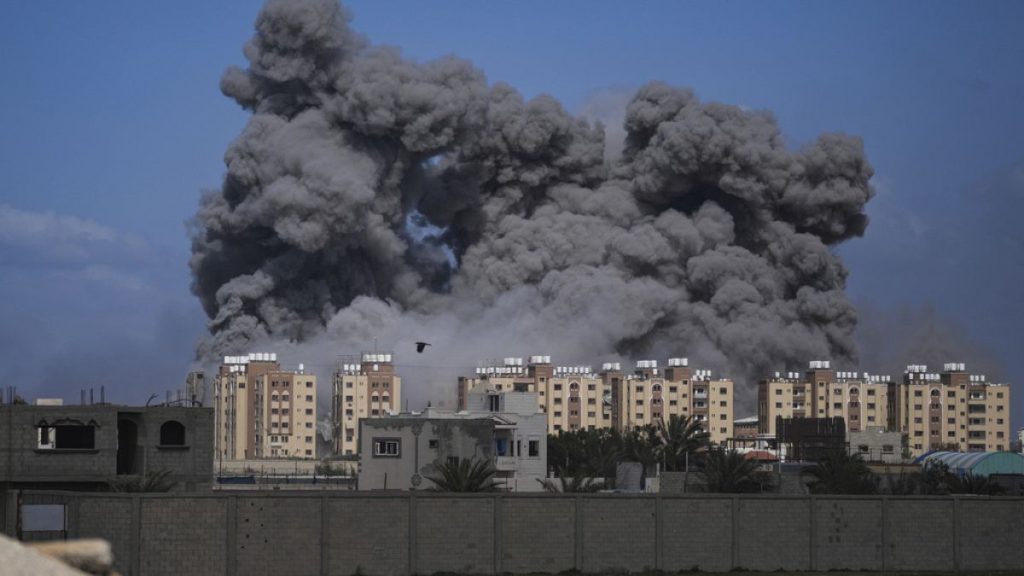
x,y
422,533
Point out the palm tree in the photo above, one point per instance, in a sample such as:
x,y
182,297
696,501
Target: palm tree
x,y
728,471
641,445
840,473
575,483
681,438
466,475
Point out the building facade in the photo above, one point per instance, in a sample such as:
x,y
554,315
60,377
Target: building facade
x,y
951,410
263,411
577,397
506,429
370,389
86,447
860,399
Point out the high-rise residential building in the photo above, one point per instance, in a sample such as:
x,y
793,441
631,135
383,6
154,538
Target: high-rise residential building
x,y
951,410
860,399
577,397
651,394
369,389
262,411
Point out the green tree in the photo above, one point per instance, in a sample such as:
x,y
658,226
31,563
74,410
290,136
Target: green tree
x,y
976,484
840,473
728,471
570,484
901,484
641,444
681,441
935,478
466,475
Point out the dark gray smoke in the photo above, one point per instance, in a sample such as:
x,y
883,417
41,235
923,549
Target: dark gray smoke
x,y
373,196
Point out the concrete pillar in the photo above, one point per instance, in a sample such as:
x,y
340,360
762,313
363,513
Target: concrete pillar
x,y
412,532
136,535
325,537
231,537
499,532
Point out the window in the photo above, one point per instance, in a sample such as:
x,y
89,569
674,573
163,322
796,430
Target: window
x,y
534,448
887,449
432,444
387,447
723,417
493,402
778,404
309,452
863,448
309,398
309,411
778,392
723,403
172,433
67,437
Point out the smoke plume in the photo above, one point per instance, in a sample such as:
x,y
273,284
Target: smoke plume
x,y
371,196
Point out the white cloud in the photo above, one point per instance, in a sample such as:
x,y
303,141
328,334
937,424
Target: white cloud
x,y
50,235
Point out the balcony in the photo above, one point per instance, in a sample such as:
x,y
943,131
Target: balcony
x,y
504,463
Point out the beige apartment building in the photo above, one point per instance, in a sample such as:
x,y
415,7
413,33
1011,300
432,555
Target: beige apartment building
x,y
951,410
860,399
577,397
262,411
651,394
369,389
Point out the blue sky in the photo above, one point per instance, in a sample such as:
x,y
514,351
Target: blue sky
x,y
111,123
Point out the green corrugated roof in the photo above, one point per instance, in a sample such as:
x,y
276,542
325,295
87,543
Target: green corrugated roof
x,y
977,463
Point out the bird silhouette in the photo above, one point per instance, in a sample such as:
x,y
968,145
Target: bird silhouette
x,y
421,346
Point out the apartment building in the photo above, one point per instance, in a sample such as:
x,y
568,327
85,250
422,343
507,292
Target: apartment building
x,y
263,411
951,410
650,395
577,397
859,398
573,397
369,389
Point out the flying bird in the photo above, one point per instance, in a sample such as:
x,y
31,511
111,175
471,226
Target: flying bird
x,y
421,346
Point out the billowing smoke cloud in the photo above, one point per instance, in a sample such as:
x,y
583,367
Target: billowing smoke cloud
x,y
371,196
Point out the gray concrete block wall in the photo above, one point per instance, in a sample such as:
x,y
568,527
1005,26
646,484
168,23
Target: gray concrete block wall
x,y
109,519
697,533
368,535
345,533
455,535
848,534
990,534
618,534
538,534
919,534
279,536
773,533
184,535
